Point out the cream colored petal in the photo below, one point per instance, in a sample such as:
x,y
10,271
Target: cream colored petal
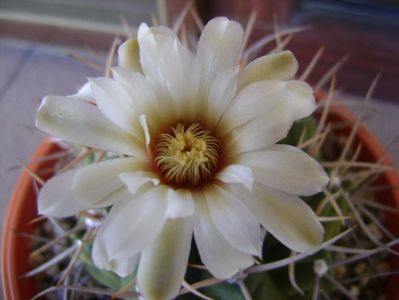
x,y
56,198
95,184
263,112
300,97
221,92
116,104
220,257
180,204
287,217
260,132
129,55
237,174
269,97
159,31
146,130
170,67
256,100
234,221
287,169
163,264
135,180
142,96
219,47
275,66
84,93
132,225
123,266
137,86
83,123
181,74
150,41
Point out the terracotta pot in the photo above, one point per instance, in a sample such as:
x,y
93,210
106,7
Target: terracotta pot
x,y
22,210
372,151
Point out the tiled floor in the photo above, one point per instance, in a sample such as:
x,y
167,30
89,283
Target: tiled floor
x,y
30,71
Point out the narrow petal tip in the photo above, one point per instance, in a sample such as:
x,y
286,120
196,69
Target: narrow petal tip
x,y
129,55
144,125
42,113
275,66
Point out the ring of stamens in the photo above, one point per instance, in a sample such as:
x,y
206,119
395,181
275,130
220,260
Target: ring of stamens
x,y
187,156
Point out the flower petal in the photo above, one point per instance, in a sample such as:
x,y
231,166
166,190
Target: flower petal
x,y
116,104
275,66
234,221
219,47
142,96
92,186
166,63
140,220
150,40
237,174
260,132
285,216
264,97
163,264
255,100
287,169
56,198
263,112
300,97
129,55
82,123
221,92
84,93
180,204
140,91
123,266
219,256
95,184
146,130
135,180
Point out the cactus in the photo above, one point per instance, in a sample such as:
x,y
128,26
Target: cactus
x,y
356,241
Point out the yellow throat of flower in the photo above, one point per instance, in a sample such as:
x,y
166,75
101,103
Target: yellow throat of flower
x,y
187,156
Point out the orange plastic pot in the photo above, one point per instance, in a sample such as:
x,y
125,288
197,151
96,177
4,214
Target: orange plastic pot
x,y
22,209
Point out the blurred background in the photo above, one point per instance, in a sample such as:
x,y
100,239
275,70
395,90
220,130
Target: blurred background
x,y
52,46
367,30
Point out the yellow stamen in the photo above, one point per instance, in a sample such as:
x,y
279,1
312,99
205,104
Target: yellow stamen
x,y
187,157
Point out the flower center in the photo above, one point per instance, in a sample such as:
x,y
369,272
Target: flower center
x,y
187,156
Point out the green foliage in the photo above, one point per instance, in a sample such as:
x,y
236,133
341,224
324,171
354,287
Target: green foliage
x,y
305,127
224,291
262,286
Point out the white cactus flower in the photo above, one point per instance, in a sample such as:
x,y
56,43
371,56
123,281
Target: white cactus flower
x,y
197,138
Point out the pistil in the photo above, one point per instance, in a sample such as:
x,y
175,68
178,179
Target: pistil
x,y
187,156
